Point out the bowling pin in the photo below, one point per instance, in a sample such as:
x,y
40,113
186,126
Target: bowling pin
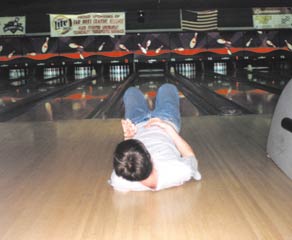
x,y
248,42
221,41
179,49
228,51
32,54
158,49
172,70
289,46
11,54
148,43
45,45
83,95
74,45
123,47
48,108
1,48
93,72
229,91
228,42
81,55
193,41
260,32
101,46
270,44
143,50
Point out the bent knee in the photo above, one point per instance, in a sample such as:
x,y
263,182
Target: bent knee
x,y
168,87
131,90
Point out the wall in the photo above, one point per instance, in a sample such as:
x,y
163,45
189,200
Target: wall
x,y
161,47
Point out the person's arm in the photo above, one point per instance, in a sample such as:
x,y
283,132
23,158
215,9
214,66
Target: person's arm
x,y
183,147
129,128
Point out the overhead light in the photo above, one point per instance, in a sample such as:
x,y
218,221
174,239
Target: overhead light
x,y
140,14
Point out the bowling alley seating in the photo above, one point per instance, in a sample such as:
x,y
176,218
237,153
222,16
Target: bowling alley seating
x,y
279,146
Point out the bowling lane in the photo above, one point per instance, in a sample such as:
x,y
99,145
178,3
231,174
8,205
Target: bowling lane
x,y
22,84
75,104
149,87
11,96
19,89
255,100
80,102
276,79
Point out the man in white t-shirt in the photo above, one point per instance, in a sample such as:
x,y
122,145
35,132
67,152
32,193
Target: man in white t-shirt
x,y
153,155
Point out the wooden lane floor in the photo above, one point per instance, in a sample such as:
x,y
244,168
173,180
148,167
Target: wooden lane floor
x,y
80,102
75,104
53,184
150,89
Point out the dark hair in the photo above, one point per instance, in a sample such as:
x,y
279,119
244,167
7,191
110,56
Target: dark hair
x,y
132,161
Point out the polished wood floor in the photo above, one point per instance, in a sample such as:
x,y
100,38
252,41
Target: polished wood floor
x,y
53,185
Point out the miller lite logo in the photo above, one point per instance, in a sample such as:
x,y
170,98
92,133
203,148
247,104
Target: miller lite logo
x,y
62,24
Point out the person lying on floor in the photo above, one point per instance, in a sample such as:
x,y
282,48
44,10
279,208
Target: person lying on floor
x,y
153,156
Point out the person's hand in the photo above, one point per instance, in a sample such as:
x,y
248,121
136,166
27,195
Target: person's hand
x,y
129,128
160,123
183,147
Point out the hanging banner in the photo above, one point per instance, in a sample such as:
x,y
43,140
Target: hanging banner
x,y
272,10
12,25
110,23
276,21
268,18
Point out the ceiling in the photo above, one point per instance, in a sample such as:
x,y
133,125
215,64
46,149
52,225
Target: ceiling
x,y
24,7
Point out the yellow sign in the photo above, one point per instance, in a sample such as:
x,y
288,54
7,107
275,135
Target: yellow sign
x,y
111,23
268,21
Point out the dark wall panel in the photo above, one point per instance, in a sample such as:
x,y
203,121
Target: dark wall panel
x,y
235,17
154,19
37,23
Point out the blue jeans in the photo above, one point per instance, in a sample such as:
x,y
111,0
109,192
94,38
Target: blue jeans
x,y
166,105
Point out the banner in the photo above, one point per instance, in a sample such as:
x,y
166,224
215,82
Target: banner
x,y
269,21
12,25
272,10
110,23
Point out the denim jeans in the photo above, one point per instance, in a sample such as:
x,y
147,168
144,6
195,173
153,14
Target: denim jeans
x,y
166,105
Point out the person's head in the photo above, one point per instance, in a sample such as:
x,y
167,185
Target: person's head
x,y
132,161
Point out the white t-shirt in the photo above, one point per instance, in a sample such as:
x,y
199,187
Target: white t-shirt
x,y
172,169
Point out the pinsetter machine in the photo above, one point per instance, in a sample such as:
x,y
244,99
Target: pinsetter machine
x,y
279,146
